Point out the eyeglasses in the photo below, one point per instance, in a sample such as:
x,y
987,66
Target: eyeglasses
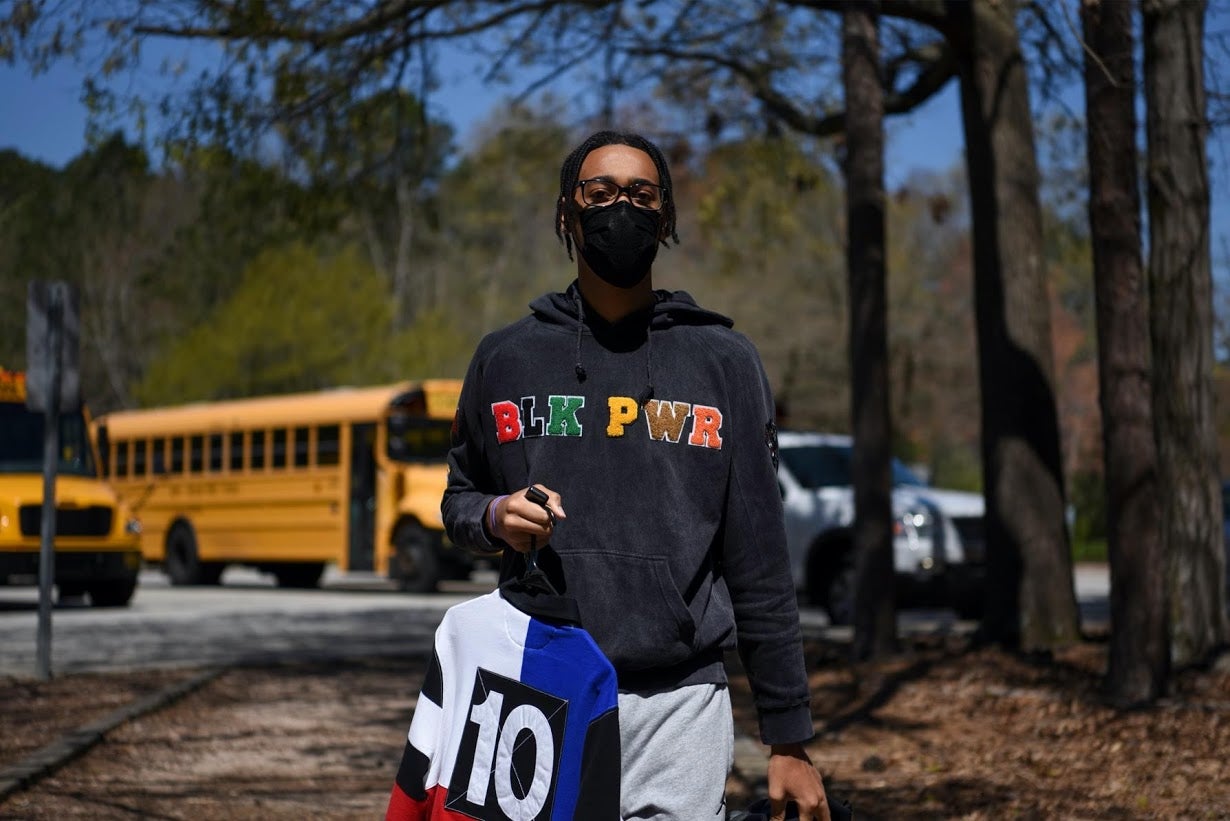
x,y
600,192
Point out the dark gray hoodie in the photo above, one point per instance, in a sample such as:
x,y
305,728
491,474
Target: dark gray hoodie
x,y
657,434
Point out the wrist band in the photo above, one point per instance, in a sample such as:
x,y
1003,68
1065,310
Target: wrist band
x,y
491,514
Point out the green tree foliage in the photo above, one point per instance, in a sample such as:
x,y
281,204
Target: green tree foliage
x,y
25,188
382,157
496,249
239,207
762,238
101,224
169,291
762,224
300,320
149,251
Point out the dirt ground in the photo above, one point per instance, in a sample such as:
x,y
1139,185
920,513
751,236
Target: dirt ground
x,y
942,731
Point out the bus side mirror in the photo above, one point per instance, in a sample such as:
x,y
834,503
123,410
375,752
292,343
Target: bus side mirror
x,y
104,450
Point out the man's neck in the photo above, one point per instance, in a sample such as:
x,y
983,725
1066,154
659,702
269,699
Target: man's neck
x,y
612,303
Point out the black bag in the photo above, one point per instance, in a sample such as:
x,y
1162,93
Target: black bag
x,y
761,810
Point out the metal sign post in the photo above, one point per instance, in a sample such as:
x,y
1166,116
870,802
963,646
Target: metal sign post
x,y
51,339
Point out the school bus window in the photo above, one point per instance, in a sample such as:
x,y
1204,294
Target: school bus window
x,y
237,452
177,454
414,439
196,453
215,453
138,457
257,459
279,447
327,445
121,459
301,447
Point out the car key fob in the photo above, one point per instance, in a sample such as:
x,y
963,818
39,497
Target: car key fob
x,y
539,498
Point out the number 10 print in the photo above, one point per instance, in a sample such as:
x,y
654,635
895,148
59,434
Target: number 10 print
x,y
508,760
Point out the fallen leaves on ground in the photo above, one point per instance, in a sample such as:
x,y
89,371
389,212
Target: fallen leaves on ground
x,y
942,730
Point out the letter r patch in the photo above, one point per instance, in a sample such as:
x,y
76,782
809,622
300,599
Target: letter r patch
x,y
706,427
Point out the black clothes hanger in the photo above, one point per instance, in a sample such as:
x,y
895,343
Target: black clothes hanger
x,y
533,592
531,559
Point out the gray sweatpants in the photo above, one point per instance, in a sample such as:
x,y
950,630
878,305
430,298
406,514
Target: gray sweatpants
x,y
678,748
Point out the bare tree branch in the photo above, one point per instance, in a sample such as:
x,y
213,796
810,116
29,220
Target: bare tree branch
x,y
392,16
933,75
928,12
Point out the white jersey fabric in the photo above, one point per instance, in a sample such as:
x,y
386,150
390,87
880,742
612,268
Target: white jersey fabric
x,y
517,718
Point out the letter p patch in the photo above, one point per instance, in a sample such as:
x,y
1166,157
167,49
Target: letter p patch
x,y
623,412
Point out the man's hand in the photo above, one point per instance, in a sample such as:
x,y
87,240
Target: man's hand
x,y
792,776
515,519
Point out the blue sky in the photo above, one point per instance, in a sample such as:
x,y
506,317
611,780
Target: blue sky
x,y
43,118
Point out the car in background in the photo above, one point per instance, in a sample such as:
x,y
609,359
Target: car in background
x,y
939,549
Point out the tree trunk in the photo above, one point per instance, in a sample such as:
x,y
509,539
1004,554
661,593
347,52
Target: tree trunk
x,y
1180,290
875,622
1138,665
1031,603
404,294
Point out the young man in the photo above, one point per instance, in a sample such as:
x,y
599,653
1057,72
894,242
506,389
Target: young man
x,y
648,424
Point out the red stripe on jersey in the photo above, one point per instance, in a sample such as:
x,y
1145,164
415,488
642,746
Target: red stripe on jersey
x,y
404,808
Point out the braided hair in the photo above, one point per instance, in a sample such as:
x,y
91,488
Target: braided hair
x,y
571,170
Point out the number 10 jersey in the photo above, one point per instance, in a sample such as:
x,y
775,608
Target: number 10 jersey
x,y
517,719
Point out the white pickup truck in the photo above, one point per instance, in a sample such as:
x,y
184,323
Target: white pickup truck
x,y
938,544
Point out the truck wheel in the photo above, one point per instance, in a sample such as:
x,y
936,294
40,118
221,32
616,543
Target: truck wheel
x,y
839,594
830,580
968,605
113,593
182,564
415,563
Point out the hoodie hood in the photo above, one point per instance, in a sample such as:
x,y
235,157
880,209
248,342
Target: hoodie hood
x,y
670,308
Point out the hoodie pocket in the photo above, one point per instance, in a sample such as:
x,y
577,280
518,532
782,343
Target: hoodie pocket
x,y
631,606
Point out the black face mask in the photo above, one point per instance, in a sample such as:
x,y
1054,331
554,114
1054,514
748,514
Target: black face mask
x,y
621,241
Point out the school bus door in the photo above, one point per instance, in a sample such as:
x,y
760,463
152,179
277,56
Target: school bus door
x,y
362,496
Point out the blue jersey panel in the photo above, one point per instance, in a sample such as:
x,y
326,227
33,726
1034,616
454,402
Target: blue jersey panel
x,y
565,662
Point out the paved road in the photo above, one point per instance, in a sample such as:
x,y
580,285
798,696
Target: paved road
x,y
248,618
245,619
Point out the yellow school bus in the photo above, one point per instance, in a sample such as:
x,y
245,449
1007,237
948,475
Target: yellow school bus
x,y
289,484
97,544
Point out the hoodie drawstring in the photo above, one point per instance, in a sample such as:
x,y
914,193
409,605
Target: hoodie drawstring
x,y
647,392
580,369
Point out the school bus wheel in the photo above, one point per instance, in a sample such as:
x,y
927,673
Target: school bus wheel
x,y
70,590
112,593
415,563
182,564
298,575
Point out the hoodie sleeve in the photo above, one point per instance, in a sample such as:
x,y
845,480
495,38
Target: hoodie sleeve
x,y
756,563
470,485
